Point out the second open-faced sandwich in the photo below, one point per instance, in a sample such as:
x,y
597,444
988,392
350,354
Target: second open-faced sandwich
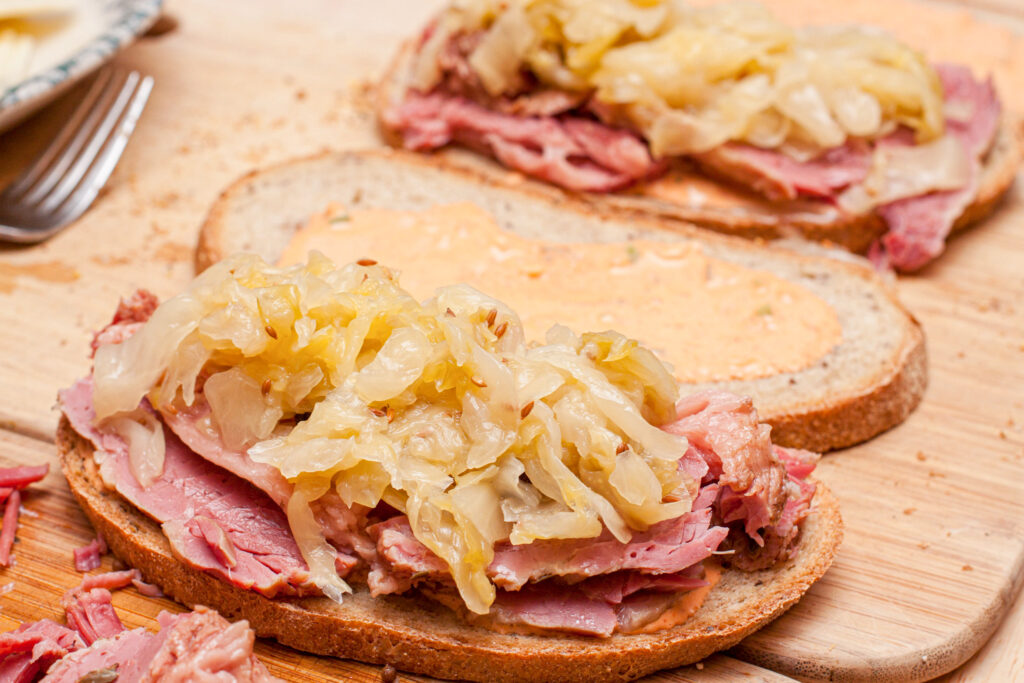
x,y
721,115
361,474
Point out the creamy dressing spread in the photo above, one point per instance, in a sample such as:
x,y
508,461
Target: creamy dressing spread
x,y
687,604
711,320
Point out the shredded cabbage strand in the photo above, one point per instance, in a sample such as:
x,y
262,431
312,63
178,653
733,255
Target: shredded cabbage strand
x,y
342,381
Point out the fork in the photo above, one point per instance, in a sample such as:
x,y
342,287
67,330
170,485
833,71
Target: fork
x,y
65,179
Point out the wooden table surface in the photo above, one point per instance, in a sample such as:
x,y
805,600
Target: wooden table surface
x,y
244,84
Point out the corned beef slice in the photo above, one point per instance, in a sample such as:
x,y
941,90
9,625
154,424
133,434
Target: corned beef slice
x,y
20,477
32,647
202,645
87,557
918,226
575,153
723,428
199,645
779,176
666,548
130,314
90,612
128,653
549,606
341,525
194,646
267,558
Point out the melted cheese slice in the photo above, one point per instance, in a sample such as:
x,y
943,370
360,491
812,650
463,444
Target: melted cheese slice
x,y
709,319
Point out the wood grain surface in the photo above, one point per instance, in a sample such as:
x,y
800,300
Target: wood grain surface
x,y
934,552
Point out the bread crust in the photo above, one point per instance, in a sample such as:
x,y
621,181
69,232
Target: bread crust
x,y
414,634
852,231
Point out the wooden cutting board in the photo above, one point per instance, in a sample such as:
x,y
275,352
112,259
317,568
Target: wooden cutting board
x,y
934,550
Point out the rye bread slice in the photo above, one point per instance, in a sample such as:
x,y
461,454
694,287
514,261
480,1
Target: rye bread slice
x,y
852,231
867,384
417,635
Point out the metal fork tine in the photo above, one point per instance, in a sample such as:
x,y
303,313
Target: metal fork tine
x,y
86,192
57,175
86,158
27,178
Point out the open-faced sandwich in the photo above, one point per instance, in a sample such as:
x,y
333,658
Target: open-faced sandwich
x,y
364,475
720,115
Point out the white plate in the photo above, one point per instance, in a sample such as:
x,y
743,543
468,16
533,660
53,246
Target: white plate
x,y
94,32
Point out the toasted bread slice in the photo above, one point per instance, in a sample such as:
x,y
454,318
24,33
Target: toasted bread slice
x,y
865,385
752,217
415,634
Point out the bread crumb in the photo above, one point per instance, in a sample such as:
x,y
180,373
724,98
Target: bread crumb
x,y
921,456
967,568
388,674
909,511
923,546
700,666
933,473
1002,434
300,95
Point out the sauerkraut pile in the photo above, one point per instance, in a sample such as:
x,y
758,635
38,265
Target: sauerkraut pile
x,y
690,79
342,380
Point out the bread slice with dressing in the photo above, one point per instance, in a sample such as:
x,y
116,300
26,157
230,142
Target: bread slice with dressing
x,y
866,384
418,635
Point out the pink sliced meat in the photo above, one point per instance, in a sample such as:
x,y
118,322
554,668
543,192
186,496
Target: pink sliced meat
x,y
194,646
91,614
148,589
553,607
799,463
268,558
192,426
780,540
779,176
203,646
668,547
559,150
130,315
918,226
724,429
110,580
615,588
10,527
400,557
20,477
126,653
972,107
32,648
341,525
87,557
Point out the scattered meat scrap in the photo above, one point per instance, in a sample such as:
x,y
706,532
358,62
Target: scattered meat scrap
x,y
95,646
87,557
12,480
